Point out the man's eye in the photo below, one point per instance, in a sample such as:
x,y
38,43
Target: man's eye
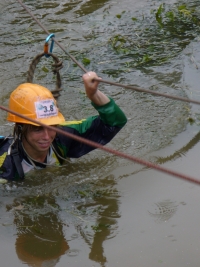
x,y
37,129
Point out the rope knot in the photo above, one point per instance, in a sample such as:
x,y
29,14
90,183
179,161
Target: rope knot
x,y
56,68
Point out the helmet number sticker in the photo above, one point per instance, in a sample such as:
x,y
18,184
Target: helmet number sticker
x,y
46,109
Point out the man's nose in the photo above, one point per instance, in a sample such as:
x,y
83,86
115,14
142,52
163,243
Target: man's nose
x,y
46,133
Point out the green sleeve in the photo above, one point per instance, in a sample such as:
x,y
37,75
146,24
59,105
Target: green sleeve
x,y
111,114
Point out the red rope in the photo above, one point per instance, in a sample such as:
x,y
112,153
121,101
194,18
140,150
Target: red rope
x,y
109,150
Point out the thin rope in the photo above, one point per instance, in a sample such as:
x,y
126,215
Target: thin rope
x,y
109,150
42,26
105,81
52,149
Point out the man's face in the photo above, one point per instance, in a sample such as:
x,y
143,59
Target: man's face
x,y
38,139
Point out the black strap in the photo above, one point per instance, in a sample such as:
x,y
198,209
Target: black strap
x,y
15,156
17,161
2,140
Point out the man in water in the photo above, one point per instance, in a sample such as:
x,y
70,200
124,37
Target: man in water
x,y
35,147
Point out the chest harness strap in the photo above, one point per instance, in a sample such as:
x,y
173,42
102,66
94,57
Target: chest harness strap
x,y
17,162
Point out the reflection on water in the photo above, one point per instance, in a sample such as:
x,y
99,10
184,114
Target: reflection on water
x,y
180,152
106,203
40,240
44,218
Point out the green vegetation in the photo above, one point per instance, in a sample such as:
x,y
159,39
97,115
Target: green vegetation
x,y
141,39
85,61
159,36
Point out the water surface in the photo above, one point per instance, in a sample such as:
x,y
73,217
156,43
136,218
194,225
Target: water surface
x,y
102,210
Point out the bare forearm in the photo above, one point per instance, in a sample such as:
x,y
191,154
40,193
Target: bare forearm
x,y
91,89
99,98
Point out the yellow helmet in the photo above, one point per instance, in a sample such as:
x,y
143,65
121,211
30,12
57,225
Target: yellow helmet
x,y
36,102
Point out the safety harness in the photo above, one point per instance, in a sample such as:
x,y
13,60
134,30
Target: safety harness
x,y
16,159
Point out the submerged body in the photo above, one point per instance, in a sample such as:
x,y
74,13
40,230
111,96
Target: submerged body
x,y
37,147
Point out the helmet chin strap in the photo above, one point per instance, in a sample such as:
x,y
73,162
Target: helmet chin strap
x,y
31,159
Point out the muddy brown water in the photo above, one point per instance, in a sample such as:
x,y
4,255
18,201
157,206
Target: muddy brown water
x,y
102,210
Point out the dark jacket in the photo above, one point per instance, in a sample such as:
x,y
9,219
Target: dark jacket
x,y
100,129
